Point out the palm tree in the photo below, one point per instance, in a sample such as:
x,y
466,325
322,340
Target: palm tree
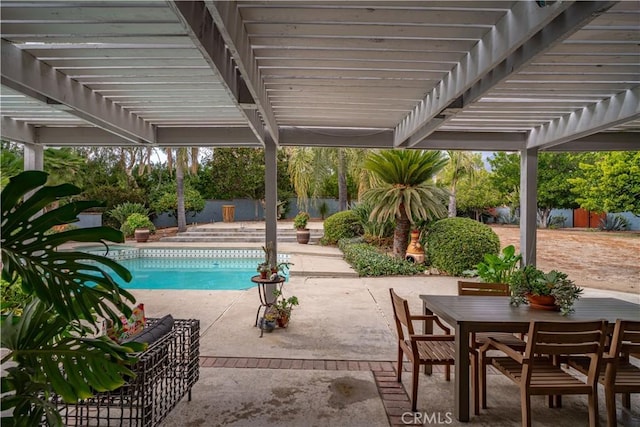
x,y
404,190
186,159
308,167
461,163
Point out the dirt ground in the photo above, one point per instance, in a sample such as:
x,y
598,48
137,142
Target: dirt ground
x,y
593,259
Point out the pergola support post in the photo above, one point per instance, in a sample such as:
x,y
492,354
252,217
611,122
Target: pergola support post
x,y
33,157
528,205
271,194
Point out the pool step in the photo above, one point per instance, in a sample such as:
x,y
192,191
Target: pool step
x,y
237,235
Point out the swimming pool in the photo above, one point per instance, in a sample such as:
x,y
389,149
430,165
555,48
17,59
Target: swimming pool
x,y
188,269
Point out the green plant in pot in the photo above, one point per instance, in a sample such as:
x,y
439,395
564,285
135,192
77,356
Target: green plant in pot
x,y
283,307
138,225
264,269
551,291
300,224
497,268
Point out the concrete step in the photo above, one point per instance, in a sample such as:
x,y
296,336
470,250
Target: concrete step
x,y
231,239
238,233
252,234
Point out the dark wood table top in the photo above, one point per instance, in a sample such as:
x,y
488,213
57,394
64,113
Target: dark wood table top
x,y
497,310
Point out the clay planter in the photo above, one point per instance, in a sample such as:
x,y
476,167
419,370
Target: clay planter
x,y
303,235
141,234
283,320
542,302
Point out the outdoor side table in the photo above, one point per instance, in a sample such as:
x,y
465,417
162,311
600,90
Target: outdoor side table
x,y
265,291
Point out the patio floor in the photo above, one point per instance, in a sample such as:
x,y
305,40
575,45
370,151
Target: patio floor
x,y
333,365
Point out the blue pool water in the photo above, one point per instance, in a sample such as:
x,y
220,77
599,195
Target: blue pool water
x,y
190,274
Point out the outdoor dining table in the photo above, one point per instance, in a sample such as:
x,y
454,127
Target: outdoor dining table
x,y
469,314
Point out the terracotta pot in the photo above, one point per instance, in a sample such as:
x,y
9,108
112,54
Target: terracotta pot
x,y
283,320
141,235
263,274
542,302
303,236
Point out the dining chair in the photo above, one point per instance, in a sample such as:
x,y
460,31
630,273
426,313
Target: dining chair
x,y
420,349
618,375
542,375
478,355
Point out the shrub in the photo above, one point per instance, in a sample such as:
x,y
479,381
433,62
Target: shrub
x,y
134,221
14,299
113,195
613,223
121,212
458,244
368,261
341,225
373,227
168,202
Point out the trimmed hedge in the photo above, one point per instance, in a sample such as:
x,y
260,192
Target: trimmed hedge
x,y
458,244
368,261
341,225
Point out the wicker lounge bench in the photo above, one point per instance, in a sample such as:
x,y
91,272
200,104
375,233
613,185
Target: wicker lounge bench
x,y
166,372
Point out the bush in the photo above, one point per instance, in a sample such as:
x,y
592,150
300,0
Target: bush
x,y
134,221
368,261
458,244
341,225
14,299
113,195
613,223
168,202
121,212
373,227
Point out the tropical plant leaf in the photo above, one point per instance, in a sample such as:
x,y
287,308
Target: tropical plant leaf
x,y
75,283
73,366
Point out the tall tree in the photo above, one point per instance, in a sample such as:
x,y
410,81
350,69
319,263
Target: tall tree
x,y
476,195
610,184
310,167
404,190
461,163
181,165
554,172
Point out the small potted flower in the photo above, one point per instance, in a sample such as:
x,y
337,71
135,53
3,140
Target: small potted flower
x,y
268,321
283,308
300,224
264,270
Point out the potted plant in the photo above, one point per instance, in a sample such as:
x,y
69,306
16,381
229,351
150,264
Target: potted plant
x,y
300,224
283,307
497,268
139,226
264,270
268,321
550,291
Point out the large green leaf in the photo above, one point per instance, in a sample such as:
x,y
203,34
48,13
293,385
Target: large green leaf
x,y
75,283
52,355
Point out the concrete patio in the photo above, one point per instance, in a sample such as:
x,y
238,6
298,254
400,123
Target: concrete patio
x,y
333,365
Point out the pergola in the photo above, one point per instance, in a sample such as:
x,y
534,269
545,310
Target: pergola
x,y
478,75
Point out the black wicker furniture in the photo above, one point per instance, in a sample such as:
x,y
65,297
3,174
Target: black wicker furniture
x,y
165,373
